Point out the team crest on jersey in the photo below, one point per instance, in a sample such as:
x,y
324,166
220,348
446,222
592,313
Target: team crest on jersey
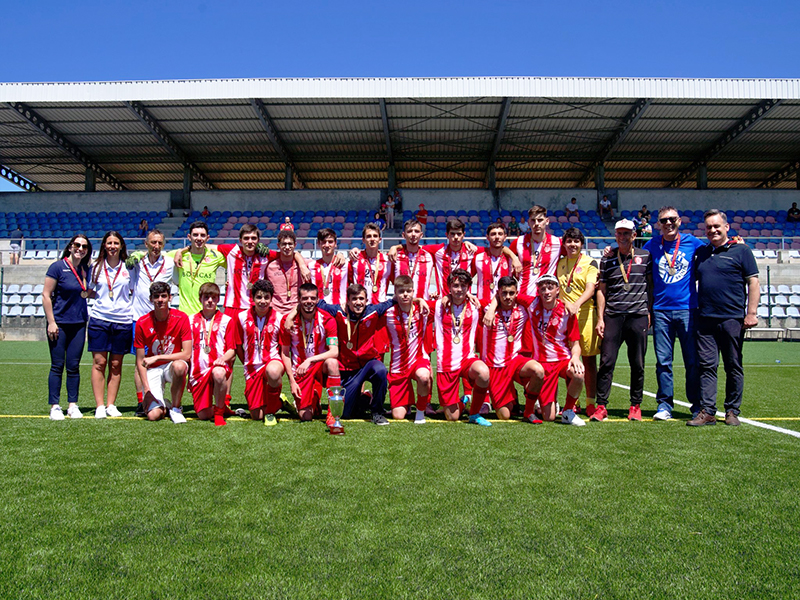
x,y
637,260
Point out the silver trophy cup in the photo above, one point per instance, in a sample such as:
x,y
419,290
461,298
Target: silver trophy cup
x,y
336,406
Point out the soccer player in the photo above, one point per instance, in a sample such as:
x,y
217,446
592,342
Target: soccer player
x,y
456,324
359,358
154,266
369,267
415,262
213,350
496,262
538,250
502,346
410,362
310,351
257,333
326,274
556,346
200,267
163,350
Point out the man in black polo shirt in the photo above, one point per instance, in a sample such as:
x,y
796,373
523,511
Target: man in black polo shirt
x,y
624,305
722,271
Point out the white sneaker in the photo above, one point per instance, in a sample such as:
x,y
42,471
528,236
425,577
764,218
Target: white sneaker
x,y
419,418
56,414
112,411
100,412
568,417
176,414
73,412
662,415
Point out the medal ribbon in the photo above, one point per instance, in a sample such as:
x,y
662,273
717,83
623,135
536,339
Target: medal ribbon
x,y
514,319
625,276
308,335
147,271
572,271
287,275
674,252
209,331
456,324
537,255
401,325
260,327
372,271
247,268
191,260
82,282
448,260
108,279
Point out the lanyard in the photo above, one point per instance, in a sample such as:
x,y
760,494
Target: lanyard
x,y
674,253
572,271
287,275
82,282
308,334
490,273
247,269
537,255
197,271
147,271
457,322
260,327
209,331
625,276
509,329
326,275
402,326
373,273
108,279
448,259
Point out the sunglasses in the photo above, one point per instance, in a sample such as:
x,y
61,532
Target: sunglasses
x,y
78,246
666,220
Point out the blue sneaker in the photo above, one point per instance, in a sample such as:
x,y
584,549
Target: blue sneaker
x,y
479,420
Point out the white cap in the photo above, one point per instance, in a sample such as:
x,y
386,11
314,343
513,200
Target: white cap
x,y
625,224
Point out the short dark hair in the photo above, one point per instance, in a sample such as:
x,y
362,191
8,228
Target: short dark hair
x,y
573,233
536,210
307,287
354,289
496,225
664,209
249,228
158,288
454,225
210,288
715,212
286,233
459,275
326,232
410,223
198,225
403,281
506,281
370,227
262,285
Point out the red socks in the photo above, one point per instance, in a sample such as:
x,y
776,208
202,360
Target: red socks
x,y
478,398
334,381
139,396
219,416
571,402
423,401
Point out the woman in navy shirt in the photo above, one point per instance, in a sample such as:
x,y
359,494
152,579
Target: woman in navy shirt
x,y
64,302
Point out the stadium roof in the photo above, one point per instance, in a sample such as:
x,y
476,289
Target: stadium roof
x,y
516,132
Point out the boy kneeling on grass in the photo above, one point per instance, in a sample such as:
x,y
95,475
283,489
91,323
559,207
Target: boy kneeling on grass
x,y
163,349
213,349
257,346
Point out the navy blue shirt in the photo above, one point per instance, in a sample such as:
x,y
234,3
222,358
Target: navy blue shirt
x,y
673,292
68,306
721,275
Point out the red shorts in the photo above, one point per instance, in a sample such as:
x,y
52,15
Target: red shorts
x,y
552,371
502,379
256,389
310,387
447,383
233,312
401,385
202,388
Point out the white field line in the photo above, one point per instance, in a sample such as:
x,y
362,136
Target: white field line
x,y
722,415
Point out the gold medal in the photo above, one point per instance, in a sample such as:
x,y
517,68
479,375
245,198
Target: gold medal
x,y
374,289
568,290
349,345
627,287
288,294
207,349
110,294
456,339
535,270
511,337
672,270
249,285
491,286
84,294
326,291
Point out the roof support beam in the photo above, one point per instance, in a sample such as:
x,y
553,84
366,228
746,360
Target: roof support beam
x,y
18,180
385,120
505,108
747,122
793,168
620,133
167,142
274,138
54,135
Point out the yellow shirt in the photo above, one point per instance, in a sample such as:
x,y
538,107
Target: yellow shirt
x,y
586,270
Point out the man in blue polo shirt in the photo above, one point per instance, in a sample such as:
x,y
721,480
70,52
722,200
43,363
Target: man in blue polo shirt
x,y
727,299
674,302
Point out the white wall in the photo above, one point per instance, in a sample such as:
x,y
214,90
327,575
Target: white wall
x,y
287,200
706,199
551,199
83,201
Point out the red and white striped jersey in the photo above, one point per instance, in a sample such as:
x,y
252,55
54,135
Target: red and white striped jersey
x,y
308,339
420,267
218,335
407,336
487,270
331,281
240,270
455,338
503,341
371,273
553,333
258,338
536,260
445,260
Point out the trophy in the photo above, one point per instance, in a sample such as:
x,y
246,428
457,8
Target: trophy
x,y
336,406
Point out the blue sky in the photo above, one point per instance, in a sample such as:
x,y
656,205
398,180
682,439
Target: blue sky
x,y
114,40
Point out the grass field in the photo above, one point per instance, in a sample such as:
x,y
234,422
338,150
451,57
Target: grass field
x,y
129,509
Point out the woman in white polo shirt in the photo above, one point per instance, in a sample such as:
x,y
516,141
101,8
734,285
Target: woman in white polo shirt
x,y
110,318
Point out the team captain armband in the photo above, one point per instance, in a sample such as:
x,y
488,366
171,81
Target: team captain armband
x,y
332,341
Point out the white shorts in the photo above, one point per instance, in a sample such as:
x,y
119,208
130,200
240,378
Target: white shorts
x,y
157,379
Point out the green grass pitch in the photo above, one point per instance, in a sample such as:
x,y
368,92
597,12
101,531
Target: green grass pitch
x,y
129,509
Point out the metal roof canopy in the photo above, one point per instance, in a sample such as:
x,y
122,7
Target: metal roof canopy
x,y
508,132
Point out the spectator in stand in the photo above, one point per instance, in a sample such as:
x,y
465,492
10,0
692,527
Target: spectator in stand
x,y
379,221
16,245
644,215
64,302
513,227
605,207
727,300
523,227
422,217
398,202
572,208
793,214
287,225
143,228
205,212
390,206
